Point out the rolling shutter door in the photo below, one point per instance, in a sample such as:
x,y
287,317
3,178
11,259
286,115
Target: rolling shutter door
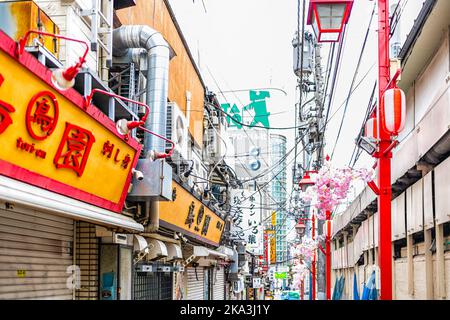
x,y
87,257
35,252
194,286
219,284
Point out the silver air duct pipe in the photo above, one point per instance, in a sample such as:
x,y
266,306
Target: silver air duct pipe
x,y
131,37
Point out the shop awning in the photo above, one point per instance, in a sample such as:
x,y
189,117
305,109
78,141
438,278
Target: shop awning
x,y
140,244
173,251
156,249
203,252
18,192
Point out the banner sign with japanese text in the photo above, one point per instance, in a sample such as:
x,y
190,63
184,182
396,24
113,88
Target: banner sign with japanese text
x,y
50,140
190,216
247,219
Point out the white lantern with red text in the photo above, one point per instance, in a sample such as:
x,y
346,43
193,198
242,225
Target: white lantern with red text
x,y
328,18
393,111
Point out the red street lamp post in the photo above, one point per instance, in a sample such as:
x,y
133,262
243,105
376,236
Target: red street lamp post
x,y
301,225
304,184
324,16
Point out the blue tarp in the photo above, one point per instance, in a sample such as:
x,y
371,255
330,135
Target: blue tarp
x,y
370,291
338,288
355,287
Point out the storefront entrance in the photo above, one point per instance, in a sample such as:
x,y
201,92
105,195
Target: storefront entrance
x,y
152,285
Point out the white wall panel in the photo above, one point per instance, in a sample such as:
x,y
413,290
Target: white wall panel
x,y
429,84
442,191
370,232
376,234
409,211
398,219
428,201
417,206
365,235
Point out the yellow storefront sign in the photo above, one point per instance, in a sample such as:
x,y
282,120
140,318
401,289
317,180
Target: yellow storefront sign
x,y
273,246
48,139
189,215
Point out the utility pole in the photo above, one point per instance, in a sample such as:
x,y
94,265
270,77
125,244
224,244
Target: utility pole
x,y
311,115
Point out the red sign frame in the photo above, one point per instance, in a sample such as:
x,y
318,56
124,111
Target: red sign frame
x,y
29,62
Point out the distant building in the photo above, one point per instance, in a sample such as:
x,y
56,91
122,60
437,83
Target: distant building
x,y
278,187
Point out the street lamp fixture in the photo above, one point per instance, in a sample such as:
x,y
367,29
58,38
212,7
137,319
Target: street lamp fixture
x,y
328,18
63,79
306,180
367,145
124,126
300,228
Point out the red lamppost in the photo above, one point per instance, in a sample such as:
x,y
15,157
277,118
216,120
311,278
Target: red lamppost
x,y
389,122
304,184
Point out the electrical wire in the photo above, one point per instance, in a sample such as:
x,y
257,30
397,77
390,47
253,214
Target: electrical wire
x,y
245,131
358,65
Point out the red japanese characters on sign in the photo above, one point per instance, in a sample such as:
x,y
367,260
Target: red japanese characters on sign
x,y
5,110
73,151
42,115
49,138
108,149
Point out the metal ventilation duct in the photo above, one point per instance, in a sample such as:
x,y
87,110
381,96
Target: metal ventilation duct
x,y
131,37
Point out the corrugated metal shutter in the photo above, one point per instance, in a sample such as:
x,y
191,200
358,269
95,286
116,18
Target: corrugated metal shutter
x,y
35,252
87,254
219,284
194,286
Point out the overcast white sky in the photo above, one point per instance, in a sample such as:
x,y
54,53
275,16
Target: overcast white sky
x,y
248,44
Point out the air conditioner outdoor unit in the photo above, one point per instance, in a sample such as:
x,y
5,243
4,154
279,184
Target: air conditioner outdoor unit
x,y
177,130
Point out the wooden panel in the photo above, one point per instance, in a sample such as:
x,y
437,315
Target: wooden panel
x,y
182,74
428,201
442,191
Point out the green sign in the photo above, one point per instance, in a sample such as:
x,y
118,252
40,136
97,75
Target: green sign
x,y
280,275
256,110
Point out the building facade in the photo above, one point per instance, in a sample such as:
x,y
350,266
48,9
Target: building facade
x,y
84,211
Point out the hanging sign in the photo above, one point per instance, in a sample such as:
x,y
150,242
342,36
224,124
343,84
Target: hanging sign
x,y
49,140
247,219
190,216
